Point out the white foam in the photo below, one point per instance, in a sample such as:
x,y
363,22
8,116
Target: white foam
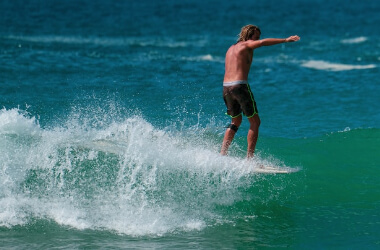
x,y
328,66
346,129
354,40
148,185
207,57
14,121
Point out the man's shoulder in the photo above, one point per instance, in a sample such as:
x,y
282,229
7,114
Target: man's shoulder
x,y
239,48
246,44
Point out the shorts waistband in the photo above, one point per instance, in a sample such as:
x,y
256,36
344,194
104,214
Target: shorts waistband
x,y
233,83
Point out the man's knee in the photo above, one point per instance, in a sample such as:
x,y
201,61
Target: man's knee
x,y
235,123
255,121
233,127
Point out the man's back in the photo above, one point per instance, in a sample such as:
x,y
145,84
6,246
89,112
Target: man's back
x,y
238,62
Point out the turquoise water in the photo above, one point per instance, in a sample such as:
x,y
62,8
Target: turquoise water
x,y
112,118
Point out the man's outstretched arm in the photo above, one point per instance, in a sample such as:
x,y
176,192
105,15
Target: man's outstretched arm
x,y
271,41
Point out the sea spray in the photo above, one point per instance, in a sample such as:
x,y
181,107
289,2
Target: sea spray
x,y
127,176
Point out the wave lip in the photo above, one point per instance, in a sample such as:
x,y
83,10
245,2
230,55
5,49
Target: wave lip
x,y
328,66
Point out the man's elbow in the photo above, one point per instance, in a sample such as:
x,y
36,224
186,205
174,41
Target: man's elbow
x,y
259,43
265,42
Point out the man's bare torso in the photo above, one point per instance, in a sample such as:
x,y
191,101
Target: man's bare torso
x,y
238,62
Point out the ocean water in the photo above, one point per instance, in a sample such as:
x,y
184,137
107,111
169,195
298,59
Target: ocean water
x,y
112,117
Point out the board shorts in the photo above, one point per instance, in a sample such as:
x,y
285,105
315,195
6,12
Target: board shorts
x,y
238,98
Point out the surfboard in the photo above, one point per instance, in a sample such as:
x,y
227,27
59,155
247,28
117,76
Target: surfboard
x,y
120,147
262,169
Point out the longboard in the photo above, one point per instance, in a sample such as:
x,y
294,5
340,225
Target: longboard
x,y
120,147
274,170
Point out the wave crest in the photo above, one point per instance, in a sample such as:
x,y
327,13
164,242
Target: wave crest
x,y
354,40
328,66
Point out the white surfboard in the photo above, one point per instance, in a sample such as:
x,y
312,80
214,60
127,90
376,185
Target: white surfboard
x,y
262,169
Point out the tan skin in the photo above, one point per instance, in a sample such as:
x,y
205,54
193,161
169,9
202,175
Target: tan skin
x,y
237,65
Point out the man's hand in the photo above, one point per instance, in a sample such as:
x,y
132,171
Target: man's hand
x,y
292,39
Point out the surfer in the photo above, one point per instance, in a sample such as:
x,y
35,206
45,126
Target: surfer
x,y
237,94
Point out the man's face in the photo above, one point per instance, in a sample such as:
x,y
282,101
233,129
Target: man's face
x,y
256,35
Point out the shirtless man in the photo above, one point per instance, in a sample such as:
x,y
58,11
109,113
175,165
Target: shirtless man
x,y
237,94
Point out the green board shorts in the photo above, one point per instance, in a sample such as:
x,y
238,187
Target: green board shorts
x,y
238,98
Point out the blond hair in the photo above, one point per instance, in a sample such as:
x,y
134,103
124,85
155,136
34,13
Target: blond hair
x,y
247,32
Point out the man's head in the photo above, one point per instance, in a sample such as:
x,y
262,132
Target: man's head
x,y
249,32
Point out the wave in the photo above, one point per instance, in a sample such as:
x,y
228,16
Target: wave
x,y
207,57
328,66
107,41
126,177
355,40
350,151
